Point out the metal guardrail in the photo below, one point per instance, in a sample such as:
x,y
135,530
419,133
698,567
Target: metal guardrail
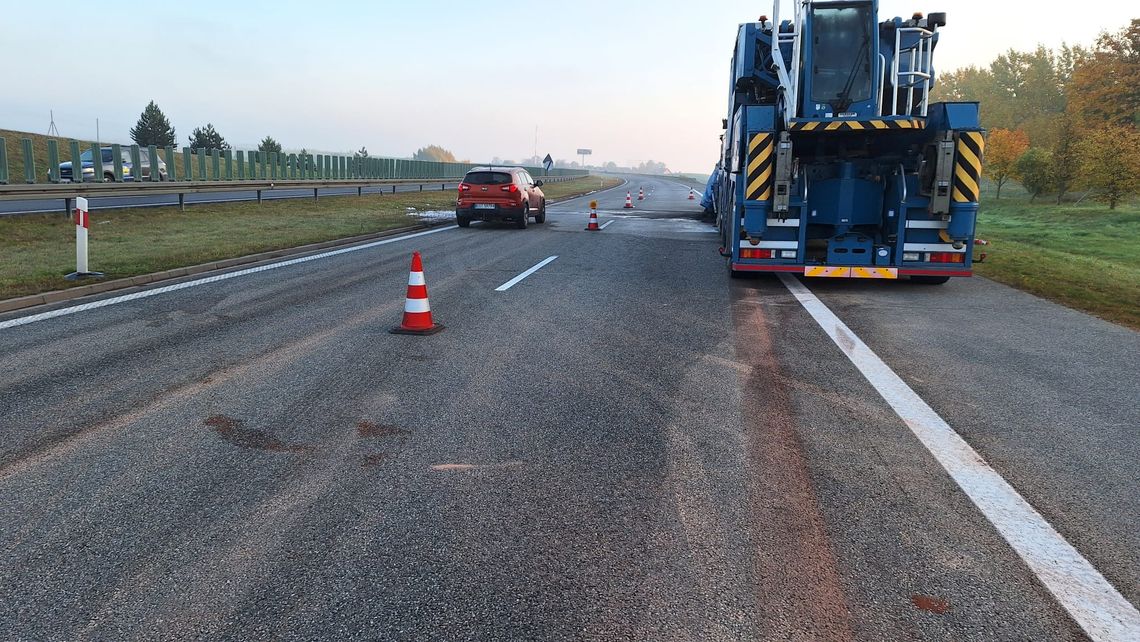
x,y
213,165
68,191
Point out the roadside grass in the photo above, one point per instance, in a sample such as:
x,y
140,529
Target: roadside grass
x,y
559,191
39,153
37,251
1081,255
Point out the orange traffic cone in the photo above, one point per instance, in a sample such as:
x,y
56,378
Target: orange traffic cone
x,y
628,201
593,224
692,194
417,310
641,194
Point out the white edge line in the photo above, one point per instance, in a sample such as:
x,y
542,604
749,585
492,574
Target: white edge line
x,y
606,224
510,284
1082,591
102,303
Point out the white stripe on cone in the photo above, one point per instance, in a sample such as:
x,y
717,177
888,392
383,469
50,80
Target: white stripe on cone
x,y
416,278
416,306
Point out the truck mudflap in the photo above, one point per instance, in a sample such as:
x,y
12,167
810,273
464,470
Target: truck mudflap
x,y
848,272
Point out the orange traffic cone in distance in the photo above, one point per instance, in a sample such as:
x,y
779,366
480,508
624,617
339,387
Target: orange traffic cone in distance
x,y
641,194
692,194
628,201
417,310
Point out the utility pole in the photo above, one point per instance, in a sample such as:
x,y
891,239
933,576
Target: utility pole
x,y
52,131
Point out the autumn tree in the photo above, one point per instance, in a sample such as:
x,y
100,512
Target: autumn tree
x,y
1034,169
1063,161
434,153
1003,148
1110,162
1105,87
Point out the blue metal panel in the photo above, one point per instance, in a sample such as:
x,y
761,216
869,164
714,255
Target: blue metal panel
x,y
954,116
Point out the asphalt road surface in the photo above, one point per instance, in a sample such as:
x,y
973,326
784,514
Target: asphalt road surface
x,y
53,205
625,444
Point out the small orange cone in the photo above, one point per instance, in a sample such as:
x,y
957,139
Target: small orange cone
x,y
628,201
641,194
417,310
692,194
593,225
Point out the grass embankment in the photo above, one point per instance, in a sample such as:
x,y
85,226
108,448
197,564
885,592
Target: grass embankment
x,y
36,251
1082,255
16,163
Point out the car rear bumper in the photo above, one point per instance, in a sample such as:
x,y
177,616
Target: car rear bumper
x,y
500,213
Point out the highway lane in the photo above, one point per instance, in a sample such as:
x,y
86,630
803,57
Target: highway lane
x,y
624,444
49,205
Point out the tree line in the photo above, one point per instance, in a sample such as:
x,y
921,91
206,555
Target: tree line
x,y
154,128
1060,120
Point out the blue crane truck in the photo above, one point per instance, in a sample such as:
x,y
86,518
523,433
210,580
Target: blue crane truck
x,y
834,163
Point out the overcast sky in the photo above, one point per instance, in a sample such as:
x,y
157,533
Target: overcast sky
x,y
633,80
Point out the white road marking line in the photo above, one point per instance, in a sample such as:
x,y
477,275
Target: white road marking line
x,y
510,284
606,224
1096,605
11,323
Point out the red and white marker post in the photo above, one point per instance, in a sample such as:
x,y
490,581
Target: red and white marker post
x,y
82,224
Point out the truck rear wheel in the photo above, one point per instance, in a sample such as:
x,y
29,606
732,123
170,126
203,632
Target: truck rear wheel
x,y
930,280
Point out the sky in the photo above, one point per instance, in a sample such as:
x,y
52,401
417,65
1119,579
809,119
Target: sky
x,y
633,80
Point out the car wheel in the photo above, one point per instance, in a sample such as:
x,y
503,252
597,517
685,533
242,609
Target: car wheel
x,y
540,217
930,280
108,178
463,221
521,224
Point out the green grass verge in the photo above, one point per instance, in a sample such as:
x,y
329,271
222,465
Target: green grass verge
x,y
1082,255
36,251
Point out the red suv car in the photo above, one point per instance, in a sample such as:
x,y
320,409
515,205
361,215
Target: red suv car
x,y
500,194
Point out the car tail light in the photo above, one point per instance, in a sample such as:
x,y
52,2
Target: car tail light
x,y
464,187
512,188
757,254
947,257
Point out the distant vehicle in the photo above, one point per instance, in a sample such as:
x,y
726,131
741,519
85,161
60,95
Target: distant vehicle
x,y
500,194
108,159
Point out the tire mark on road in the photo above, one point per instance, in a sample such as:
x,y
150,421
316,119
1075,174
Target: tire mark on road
x,y
801,596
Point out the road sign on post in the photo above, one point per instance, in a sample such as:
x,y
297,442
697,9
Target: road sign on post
x,y
547,163
584,153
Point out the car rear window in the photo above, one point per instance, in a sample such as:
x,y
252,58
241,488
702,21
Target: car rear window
x,y
488,178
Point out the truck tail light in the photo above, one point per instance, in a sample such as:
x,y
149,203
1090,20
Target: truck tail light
x,y
757,254
947,257
912,256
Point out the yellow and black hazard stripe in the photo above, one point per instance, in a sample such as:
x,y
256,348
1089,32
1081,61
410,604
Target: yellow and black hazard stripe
x,y
761,164
968,167
855,125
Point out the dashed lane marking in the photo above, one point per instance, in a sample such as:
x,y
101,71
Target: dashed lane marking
x,y
43,316
1096,605
607,224
510,284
